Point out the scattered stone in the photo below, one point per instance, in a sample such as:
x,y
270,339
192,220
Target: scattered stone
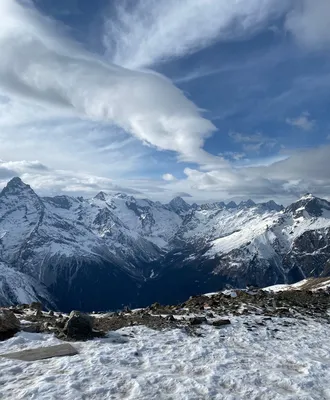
x,y
197,320
221,322
31,328
9,324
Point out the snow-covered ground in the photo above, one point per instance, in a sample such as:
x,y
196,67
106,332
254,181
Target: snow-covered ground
x,y
310,284
282,359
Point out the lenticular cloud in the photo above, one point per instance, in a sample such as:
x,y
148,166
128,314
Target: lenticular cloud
x,y
48,69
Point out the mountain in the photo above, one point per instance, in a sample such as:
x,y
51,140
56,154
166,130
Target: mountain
x,y
113,250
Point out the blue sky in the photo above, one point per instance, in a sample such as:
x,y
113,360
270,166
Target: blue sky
x,y
213,99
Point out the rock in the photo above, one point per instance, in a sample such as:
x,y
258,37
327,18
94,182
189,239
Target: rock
x,y
9,324
197,320
51,313
31,328
38,313
36,306
170,318
221,322
60,322
79,326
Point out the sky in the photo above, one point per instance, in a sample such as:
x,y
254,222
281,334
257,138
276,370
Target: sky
x,y
207,99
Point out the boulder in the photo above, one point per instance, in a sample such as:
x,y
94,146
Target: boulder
x,y
36,306
79,326
197,320
221,322
9,324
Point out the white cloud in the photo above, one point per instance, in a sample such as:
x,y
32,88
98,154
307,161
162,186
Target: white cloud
x,y
303,122
169,177
48,70
309,23
146,32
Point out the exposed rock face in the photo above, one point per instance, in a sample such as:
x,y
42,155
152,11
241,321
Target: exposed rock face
x,y
113,250
9,324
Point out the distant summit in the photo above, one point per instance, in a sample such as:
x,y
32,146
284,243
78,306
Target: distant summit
x,y
16,186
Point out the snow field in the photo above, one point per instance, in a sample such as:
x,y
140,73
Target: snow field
x,y
282,359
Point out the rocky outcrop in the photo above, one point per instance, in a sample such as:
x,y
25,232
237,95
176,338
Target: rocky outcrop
x,y
9,324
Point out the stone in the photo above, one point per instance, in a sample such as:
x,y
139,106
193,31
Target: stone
x,y
42,353
38,313
79,326
221,322
51,313
36,306
9,324
197,320
31,328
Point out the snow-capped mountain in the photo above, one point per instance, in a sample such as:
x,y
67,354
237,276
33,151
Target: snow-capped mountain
x,y
111,250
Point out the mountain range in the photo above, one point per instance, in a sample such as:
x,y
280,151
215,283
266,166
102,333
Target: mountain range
x,y
113,249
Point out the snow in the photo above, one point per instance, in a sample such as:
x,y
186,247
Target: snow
x,y
311,284
137,363
19,287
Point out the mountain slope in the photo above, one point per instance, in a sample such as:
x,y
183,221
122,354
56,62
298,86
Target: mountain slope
x,y
113,250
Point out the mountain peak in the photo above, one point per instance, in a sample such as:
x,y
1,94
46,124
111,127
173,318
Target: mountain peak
x,y
307,196
178,205
16,186
101,196
314,206
231,204
272,205
247,204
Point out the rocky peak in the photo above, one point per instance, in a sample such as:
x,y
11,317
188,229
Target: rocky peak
x,y
247,204
272,206
17,187
314,206
178,205
101,196
231,204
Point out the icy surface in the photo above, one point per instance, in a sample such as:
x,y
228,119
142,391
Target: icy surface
x,y
270,362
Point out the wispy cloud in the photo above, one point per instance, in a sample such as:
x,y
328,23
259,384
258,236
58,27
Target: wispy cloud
x,y
303,122
146,32
254,143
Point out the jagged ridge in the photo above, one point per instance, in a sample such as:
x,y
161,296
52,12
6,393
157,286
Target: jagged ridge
x,y
110,250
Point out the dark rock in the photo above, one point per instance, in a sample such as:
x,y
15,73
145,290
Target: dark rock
x,y
51,313
36,306
38,313
197,320
221,322
79,326
170,318
31,328
60,323
9,324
